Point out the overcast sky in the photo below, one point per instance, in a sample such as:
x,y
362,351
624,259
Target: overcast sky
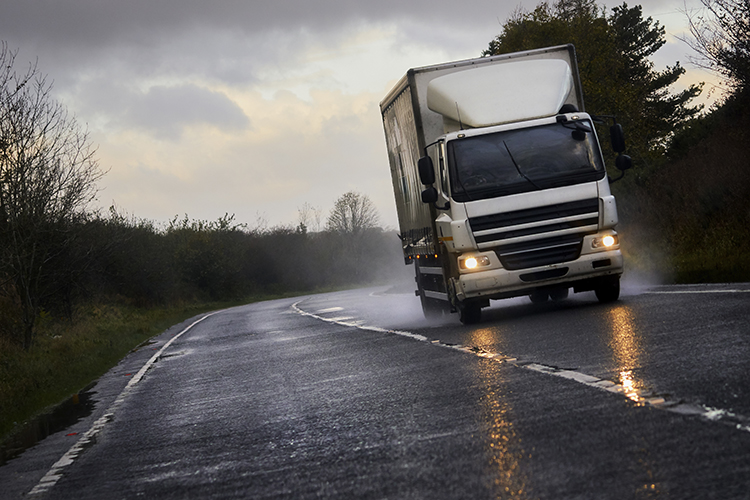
x,y
250,107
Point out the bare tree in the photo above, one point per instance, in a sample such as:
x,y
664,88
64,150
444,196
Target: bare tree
x,y
721,37
48,176
353,214
308,218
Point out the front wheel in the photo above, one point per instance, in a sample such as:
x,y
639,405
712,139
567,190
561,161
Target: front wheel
x,y
558,294
470,314
608,290
539,296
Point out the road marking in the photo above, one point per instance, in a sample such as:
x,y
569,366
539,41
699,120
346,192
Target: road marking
x,y
342,318
355,324
640,397
89,437
643,397
329,310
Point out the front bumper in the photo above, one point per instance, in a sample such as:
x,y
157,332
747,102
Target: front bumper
x,y
502,283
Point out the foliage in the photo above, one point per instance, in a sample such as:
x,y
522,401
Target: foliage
x,y
722,40
47,177
309,218
353,214
132,261
616,74
694,210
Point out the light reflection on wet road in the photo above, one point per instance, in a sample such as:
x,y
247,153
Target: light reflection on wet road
x,y
564,400
664,349
626,348
503,446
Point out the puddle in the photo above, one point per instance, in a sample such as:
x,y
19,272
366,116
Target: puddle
x,y
60,418
171,355
143,344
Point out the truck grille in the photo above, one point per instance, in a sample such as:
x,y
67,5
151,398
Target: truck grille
x,y
537,236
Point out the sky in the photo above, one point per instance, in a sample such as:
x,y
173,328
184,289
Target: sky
x,y
252,108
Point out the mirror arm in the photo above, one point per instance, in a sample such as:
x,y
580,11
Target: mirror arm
x,y
612,181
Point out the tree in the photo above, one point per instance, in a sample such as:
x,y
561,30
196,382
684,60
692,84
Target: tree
x,y
48,175
722,40
308,218
353,214
616,75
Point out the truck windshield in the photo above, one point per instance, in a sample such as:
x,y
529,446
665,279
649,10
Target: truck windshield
x,y
529,159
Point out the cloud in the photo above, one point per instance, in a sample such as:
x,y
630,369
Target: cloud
x,y
231,42
99,21
166,111
299,150
244,106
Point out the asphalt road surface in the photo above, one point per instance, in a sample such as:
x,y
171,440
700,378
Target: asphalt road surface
x,y
354,395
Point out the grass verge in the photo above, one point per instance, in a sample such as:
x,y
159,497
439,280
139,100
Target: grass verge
x,y
68,356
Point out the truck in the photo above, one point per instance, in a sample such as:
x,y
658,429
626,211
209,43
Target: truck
x,y
500,183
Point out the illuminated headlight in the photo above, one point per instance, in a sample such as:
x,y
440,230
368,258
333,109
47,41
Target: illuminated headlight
x,y
605,241
474,262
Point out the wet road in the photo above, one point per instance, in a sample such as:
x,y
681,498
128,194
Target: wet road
x,y
354,395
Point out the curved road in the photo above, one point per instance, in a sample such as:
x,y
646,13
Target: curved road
x,y
354,395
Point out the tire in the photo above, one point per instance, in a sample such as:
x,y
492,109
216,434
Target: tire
x,y
539,296
608,290
558,294
470,314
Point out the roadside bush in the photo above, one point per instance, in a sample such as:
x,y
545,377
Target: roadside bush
x,y
689,220
116,259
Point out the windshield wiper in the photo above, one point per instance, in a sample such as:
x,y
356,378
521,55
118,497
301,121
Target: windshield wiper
x,y
579,127
519,169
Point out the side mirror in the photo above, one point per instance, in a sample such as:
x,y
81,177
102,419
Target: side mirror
x,y
623,162
617,137
426,171
429,195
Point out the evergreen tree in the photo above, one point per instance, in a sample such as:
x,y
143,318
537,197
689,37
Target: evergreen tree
x,y
617,76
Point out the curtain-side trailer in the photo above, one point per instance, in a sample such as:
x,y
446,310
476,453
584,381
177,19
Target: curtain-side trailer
x,y
499,182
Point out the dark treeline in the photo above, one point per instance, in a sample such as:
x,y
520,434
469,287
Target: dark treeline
x,y
131,260
688,221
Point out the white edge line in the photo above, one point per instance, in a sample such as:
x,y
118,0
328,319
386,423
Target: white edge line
x,y
356,324
55,472
638,396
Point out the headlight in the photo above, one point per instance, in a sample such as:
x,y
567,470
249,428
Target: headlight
x,y
607,241
473,262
